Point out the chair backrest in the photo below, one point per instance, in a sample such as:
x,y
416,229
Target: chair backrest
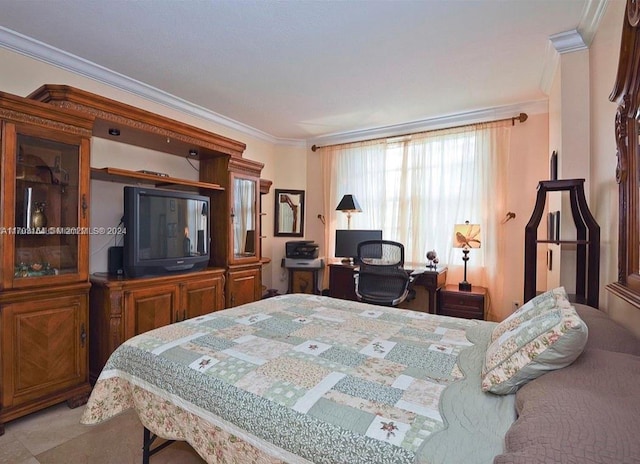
x,y
381,278
381,253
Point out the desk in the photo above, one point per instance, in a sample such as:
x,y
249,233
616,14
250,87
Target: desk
x,y
342,284
431,280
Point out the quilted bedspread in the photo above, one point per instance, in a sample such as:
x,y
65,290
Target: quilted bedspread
x,y
294,378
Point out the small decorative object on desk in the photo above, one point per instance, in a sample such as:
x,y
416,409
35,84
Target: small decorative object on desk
x,y
432,258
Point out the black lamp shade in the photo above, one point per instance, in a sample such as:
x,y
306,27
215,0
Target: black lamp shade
x,y
349,203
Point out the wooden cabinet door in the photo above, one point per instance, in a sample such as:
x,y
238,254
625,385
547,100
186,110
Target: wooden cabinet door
x,y
201,297
46,203
149,308
244,286
44,347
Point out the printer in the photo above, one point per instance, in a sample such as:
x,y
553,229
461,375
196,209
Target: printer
x,y
301,249
302,254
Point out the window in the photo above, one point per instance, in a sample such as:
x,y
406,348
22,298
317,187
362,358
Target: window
x,y
413,188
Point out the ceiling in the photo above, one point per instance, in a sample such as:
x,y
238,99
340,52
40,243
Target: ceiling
x,y
308,70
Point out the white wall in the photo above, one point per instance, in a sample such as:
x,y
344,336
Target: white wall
x,y
290,166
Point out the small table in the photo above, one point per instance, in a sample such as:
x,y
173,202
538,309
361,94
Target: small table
x,y
457,303
303,275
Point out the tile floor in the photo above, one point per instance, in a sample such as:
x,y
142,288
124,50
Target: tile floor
x,y
55,436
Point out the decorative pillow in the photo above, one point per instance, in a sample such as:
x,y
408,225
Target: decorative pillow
x,y
556,298
551,340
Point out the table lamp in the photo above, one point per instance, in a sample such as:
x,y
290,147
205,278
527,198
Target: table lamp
x,y
466,236
349,205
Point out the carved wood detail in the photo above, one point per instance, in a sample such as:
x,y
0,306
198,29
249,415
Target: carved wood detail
x,y
626,93
145,128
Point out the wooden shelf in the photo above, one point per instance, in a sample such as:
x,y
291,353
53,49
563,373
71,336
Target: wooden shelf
x,y
565,242
125,176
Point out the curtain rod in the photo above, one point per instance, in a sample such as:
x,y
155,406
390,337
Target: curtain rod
x,y
522,117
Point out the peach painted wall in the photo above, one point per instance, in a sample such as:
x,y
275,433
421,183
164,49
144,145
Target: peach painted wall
x,y
528,165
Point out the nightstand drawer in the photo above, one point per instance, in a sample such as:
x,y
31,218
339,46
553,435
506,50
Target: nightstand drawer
x,y
462,313
462,302
456,303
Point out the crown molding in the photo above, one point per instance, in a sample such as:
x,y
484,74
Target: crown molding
x,y
43,52
568,41
593,14
46,53
563,42
571,41
441,122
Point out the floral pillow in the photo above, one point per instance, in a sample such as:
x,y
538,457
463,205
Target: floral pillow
x,y
551,340
556,298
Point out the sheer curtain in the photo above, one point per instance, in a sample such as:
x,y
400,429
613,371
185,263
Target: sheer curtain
x,y
415,188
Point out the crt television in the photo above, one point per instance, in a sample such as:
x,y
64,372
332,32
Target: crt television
x,y
166,231
347,242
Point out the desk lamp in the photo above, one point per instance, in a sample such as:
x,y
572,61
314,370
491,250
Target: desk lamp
x,y
466,236
349,205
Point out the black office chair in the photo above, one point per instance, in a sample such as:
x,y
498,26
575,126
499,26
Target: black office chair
x,y
381,278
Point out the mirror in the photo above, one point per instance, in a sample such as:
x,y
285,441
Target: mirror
x,y
244,217
289,213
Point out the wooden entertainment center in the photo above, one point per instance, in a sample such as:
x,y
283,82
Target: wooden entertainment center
x,y
122,308
59,324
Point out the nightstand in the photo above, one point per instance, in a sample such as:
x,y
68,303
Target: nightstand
x,y
468,305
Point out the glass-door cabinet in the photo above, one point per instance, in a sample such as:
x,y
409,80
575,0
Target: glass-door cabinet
x,y
244,218
235,234
45,196
44,281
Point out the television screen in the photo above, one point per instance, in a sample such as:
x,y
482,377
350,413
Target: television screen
x,y
166,231
347,241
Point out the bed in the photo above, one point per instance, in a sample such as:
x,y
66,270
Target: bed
x,y
303,378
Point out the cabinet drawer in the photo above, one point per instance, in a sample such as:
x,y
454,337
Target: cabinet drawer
x,y
462,302
463,313
456,303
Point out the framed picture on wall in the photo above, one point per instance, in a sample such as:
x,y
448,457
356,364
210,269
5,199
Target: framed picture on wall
x,y
289,213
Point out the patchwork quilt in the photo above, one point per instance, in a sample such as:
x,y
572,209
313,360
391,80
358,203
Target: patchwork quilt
x,y
294,378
